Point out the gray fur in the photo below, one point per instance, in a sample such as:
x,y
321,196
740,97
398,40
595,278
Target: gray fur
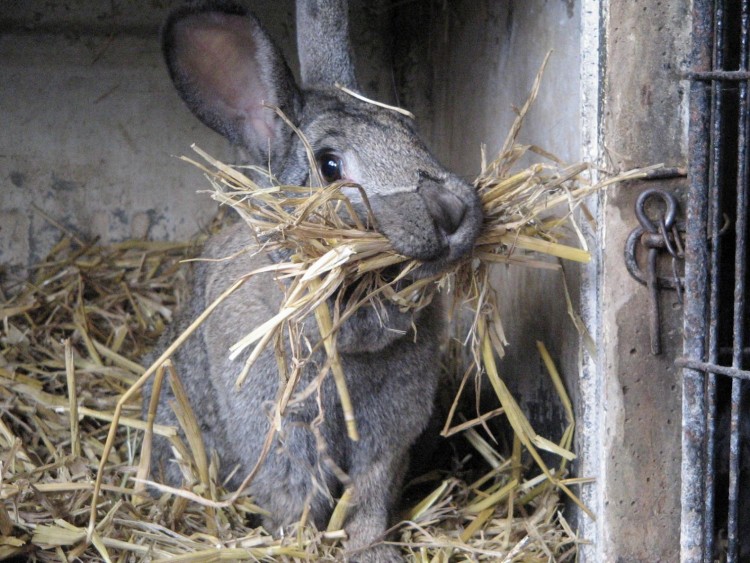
x,y
391,358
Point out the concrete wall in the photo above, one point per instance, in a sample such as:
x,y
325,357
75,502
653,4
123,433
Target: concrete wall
x,y
644,122
91,123
90,129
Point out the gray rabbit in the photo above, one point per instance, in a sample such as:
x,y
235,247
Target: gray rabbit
x,y
226,68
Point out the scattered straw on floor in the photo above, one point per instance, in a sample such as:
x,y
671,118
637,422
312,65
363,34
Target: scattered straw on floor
x,y
68,344
71,338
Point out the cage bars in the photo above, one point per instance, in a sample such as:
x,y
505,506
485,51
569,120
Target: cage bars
x,y
712,155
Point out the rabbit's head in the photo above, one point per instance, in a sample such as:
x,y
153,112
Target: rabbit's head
x,y
228,72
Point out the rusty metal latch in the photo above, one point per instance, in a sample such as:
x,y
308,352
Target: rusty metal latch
x,y
664,233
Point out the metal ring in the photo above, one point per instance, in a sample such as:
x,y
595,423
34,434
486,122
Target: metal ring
x,y
630,262
669,215
634,268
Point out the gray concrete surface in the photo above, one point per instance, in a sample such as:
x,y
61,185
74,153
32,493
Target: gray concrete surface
x,y
644,122
91,124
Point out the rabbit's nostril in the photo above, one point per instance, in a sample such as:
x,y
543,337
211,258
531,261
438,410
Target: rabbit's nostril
x,y
445,208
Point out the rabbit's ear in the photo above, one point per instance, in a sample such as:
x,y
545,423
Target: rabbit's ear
x,y
227,70
325,55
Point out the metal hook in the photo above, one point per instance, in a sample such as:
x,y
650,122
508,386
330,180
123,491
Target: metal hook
x,y
663,233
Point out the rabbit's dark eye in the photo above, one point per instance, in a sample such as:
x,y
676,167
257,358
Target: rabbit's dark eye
x,y
331,167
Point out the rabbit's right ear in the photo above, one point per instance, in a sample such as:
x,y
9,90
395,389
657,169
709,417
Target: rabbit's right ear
x,y
325,53
227,69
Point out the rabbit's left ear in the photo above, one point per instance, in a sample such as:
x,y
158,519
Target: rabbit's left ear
x,y
227,71
325,54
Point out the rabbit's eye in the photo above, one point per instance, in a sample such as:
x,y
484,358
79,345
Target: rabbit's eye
x,y
331,167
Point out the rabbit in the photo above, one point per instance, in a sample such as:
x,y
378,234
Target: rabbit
x,y
226,68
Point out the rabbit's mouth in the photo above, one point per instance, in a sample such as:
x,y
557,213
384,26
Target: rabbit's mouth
x,y
437,223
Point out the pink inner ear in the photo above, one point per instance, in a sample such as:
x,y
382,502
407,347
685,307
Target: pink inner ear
x,y
220,55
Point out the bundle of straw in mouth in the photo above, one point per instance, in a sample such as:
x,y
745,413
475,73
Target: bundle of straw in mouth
x,y
50,507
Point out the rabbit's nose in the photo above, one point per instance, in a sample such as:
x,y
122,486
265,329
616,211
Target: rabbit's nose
x,y
445,208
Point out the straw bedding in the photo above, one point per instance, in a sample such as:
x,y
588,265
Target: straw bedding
x,y
71,483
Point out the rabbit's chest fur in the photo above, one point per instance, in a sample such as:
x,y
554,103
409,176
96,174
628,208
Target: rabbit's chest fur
x,y
392,388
